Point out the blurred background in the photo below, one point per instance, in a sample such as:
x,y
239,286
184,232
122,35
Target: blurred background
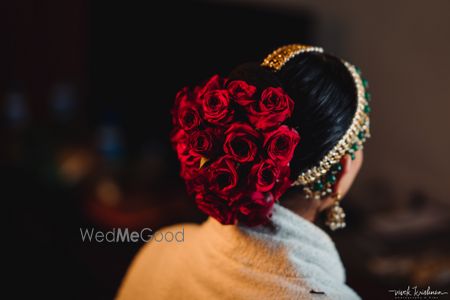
x,y
85,93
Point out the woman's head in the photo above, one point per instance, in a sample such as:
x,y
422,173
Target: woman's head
x,y
305,108
325,101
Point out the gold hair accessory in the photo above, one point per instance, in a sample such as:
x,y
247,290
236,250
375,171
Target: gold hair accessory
x,y
278,58
336,215
318,180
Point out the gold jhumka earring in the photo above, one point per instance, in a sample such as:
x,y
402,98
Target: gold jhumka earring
x,y
335,214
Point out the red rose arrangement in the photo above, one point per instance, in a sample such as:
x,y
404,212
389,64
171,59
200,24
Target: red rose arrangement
x,y
233,148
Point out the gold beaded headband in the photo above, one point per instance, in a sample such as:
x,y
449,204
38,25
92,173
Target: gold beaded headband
x,y
317,178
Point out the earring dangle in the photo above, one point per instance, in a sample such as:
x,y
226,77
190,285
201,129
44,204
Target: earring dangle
x,y
336,215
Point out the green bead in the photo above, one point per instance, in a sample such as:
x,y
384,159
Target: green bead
x,y
318,186
361,135
331,179
355,147
367,109
368,96
337,167
358,70
352,155
365,83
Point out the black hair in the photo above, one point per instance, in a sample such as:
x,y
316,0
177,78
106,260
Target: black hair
x,y
325,101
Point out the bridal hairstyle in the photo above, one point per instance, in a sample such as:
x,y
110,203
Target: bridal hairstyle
x,y
325,101
244,140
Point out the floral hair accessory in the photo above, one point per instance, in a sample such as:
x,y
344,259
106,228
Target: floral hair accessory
x,y
234,148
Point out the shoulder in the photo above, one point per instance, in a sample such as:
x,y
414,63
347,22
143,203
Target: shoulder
x,y
164,242
156,258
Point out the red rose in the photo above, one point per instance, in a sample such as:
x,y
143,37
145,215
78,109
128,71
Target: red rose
x,y
241,142
256,209
280,144
189,117
176,136
242,92
183,97
282,184
265,175
200,142
274,107
189,172
217,208
180,143
198,182
214,83
190,166
216,108
223,177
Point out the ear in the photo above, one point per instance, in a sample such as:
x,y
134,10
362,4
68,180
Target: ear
x,y
345,179
346,163
339,185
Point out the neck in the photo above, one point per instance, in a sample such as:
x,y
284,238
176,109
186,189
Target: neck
x,y
306,208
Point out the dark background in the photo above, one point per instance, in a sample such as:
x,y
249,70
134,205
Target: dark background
x,y
86,88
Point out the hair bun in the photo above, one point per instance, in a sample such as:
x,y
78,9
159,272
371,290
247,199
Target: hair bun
x,y
234,145
253,73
